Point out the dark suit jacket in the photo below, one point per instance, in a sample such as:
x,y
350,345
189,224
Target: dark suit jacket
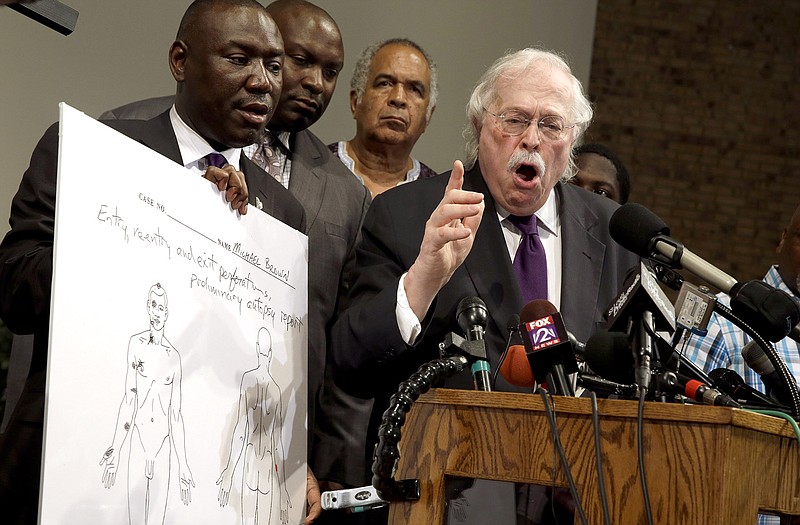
x,y
26,252
26,268
369,355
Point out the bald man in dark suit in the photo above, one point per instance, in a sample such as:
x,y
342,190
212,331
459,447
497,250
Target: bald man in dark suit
x,y
219,118
335,202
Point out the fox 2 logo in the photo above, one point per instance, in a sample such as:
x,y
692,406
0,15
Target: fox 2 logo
x,y
544,334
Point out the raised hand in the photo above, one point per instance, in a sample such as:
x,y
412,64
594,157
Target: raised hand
x,y
449,236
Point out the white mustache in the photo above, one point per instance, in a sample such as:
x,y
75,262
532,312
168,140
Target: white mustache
x,y
527,157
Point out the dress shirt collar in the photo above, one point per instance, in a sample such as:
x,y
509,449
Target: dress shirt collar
x,y
284,138
193,147
546,216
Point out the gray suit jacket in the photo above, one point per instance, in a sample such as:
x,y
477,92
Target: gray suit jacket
x,y
335,203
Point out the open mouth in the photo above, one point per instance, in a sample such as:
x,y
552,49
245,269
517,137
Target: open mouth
x,y
526,172
256,113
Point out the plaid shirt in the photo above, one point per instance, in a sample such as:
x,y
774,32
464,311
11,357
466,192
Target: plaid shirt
x,y
721,348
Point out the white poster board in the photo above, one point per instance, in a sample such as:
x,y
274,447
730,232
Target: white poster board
x,y
179,325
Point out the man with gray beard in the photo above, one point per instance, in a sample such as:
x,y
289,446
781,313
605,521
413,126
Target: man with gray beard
x,y
429,244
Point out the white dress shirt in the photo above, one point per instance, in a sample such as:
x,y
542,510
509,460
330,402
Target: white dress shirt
x,y
194,148
549,225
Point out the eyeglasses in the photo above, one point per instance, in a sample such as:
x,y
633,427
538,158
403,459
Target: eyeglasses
x,y
514,123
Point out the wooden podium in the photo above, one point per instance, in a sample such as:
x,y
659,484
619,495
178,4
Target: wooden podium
x,y
704,465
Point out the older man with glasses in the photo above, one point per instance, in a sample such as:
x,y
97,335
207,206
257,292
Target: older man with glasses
x,y
429,244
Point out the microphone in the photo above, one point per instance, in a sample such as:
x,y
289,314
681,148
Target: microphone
x,y
609,355
516,369
641,231
599,384
756,359
693,389
640,291
548,347
732,384
641,309
473,316
771,312
578,347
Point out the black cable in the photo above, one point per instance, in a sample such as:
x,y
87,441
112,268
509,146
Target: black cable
x,y
601,485
560,449
386,452
770,352
640,453
500,362
513,328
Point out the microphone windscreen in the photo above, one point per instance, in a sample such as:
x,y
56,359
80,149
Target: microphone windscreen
x,y
771,312
609,355
726,379
757,359
537,309
516,369
633,227
471,311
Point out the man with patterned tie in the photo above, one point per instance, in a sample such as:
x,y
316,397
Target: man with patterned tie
x,y
335,204
428,245
233,42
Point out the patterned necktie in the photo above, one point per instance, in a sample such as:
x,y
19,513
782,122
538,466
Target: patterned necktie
x,y
266,156
530,261
215,159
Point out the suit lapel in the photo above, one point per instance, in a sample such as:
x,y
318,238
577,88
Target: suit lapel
x,y
258,185
582,257
497,287
307,180
158,135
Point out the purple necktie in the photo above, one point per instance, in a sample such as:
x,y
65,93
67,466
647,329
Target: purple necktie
x,y
530,261
215,159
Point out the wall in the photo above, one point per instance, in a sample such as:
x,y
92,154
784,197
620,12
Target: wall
x,y
700,99
118,53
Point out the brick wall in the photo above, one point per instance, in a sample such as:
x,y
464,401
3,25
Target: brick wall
x,y
701,99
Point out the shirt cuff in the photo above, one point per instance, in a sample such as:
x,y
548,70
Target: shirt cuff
x,y
407,321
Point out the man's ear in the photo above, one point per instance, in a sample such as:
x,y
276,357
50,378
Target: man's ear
x,y
428,118
353,102
177,59
779,247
